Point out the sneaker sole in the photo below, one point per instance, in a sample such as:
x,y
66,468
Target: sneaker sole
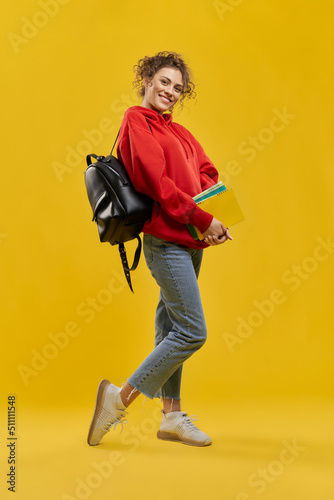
x,y
168,436
101,391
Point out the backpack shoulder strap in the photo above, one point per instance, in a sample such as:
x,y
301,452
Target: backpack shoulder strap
x,y
124,260
89,157
112,149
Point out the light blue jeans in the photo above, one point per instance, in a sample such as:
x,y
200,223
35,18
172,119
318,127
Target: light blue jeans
x,y
180,328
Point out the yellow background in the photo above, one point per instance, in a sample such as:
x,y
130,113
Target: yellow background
x,y
66,82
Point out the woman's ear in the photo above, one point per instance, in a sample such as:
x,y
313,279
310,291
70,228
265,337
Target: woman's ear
x,y
146,82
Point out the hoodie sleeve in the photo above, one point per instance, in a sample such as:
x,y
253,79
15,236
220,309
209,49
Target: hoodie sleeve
x,y
145,162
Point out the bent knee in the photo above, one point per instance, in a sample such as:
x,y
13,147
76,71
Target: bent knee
x,y
193,336
197,338
201,339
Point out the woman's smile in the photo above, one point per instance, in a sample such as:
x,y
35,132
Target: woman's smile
x,y
165,99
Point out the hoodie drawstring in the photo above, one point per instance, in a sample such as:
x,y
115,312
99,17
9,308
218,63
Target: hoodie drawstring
x,y
185,140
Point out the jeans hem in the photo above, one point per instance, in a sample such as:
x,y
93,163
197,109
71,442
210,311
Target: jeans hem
x,y
155,396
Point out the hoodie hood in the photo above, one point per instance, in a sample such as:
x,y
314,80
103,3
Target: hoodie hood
x,y
154,115
173,127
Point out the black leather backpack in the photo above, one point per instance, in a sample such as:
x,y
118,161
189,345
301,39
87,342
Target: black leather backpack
x,y
118,209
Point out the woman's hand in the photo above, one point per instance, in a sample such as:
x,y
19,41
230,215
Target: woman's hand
x,y
216,233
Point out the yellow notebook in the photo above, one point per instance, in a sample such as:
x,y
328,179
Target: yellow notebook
x,y
224,207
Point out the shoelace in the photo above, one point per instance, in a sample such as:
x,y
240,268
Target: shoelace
x,y
114,423
187,422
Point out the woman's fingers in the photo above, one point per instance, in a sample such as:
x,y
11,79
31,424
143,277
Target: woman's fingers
x,y
228,234
214,240
217,233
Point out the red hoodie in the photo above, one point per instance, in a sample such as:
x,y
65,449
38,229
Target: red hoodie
x,y
168,164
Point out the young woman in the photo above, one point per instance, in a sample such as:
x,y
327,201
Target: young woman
x,y
167,163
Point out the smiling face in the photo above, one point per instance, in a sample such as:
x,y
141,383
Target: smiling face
x,y
164,90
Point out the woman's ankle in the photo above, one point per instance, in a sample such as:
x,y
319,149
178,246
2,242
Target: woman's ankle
x,y
171,405
128,394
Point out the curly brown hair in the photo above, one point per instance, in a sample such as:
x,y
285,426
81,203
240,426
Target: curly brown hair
x,y
149,66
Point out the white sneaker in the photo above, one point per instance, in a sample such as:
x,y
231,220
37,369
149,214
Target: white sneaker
x,y
177,426
108,412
